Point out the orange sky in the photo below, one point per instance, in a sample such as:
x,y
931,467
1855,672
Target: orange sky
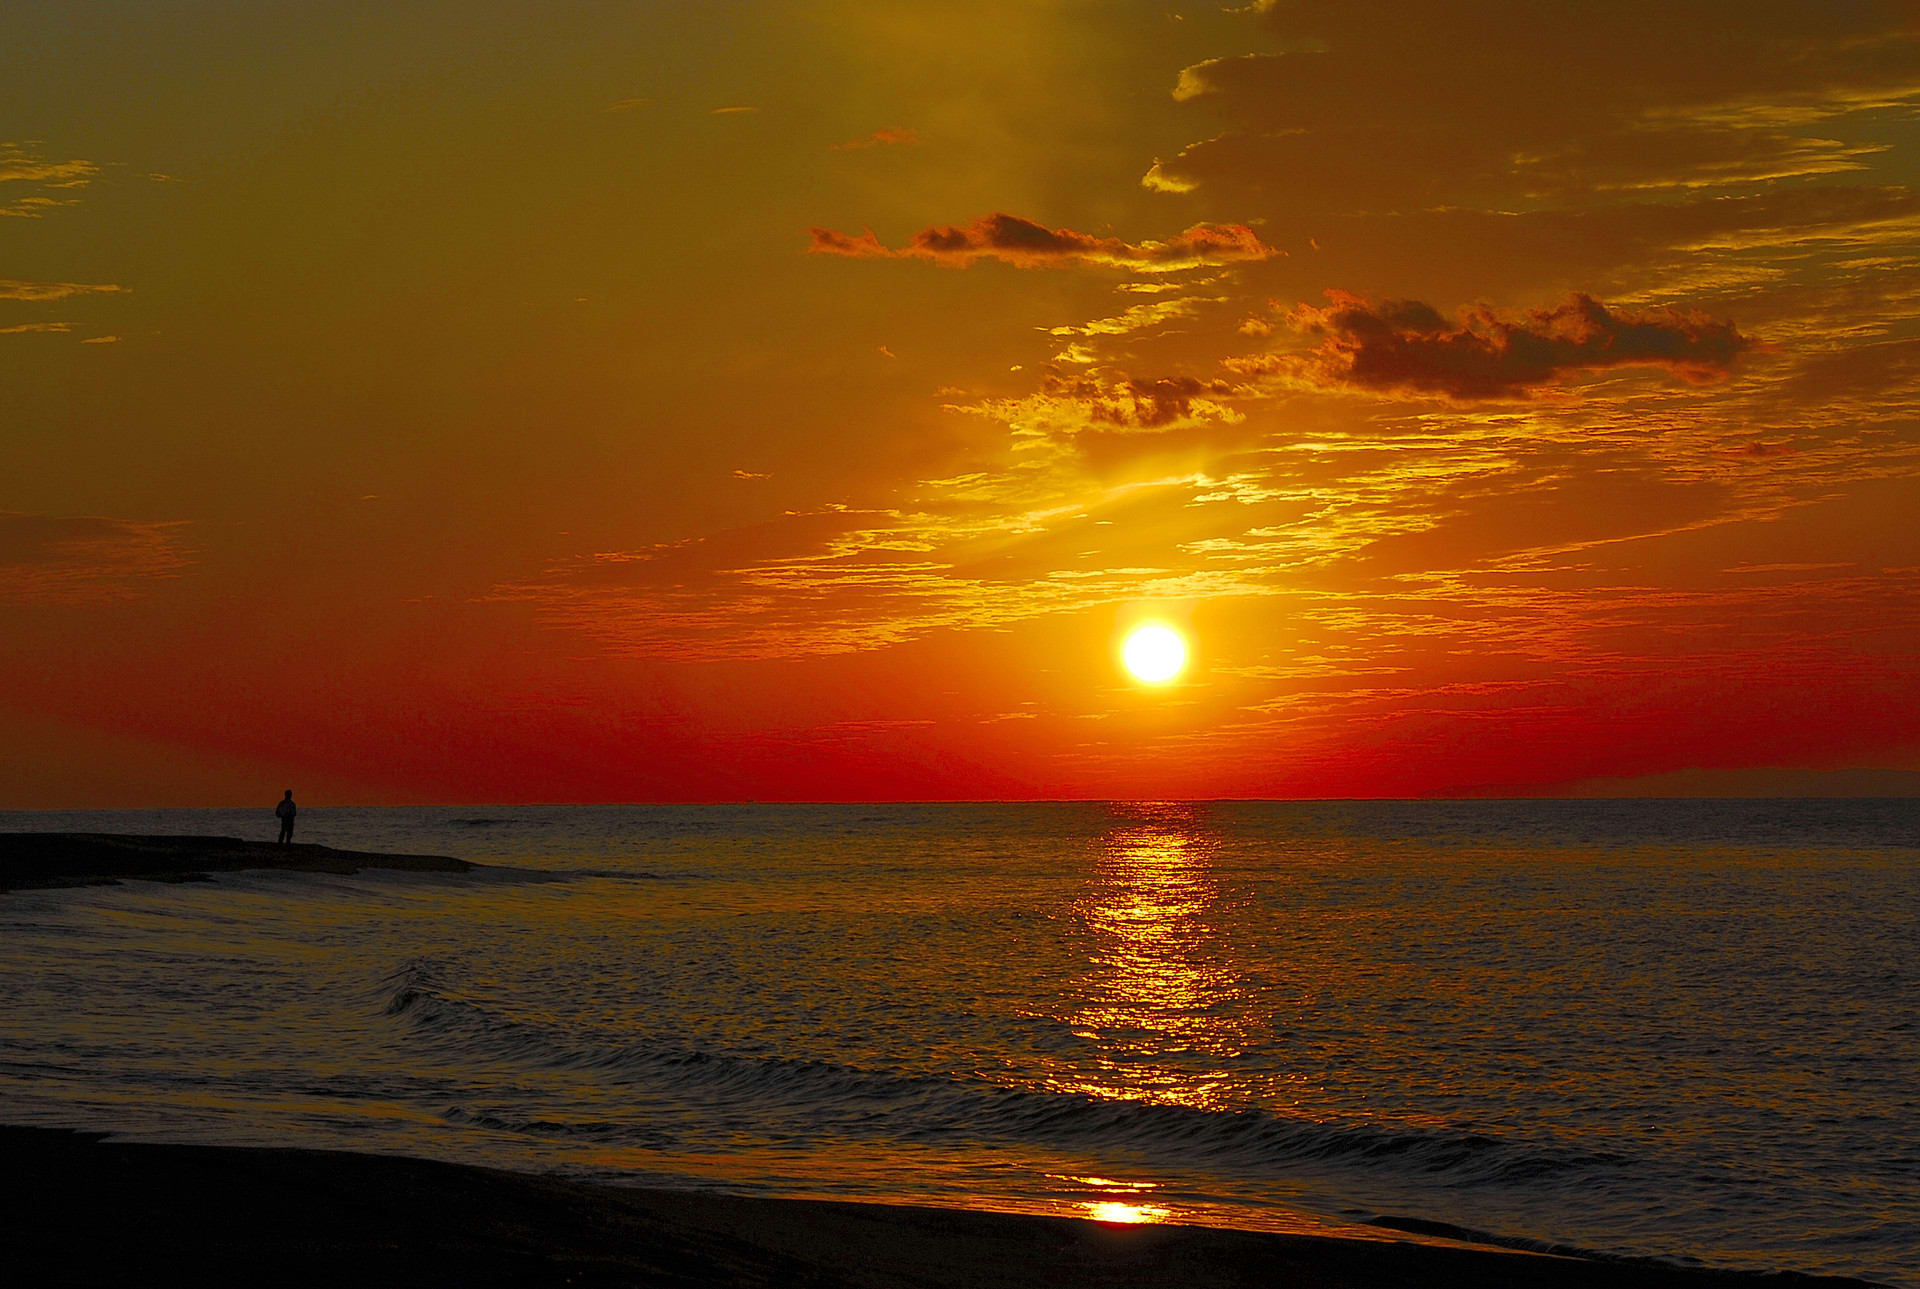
x,y
646,401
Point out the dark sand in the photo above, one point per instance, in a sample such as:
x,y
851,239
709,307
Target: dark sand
x,y
91,1212
37,860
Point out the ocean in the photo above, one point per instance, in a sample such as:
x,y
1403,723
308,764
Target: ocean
x,y
1682,1030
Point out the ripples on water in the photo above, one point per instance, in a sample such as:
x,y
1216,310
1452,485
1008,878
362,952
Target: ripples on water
x,y
1682,1030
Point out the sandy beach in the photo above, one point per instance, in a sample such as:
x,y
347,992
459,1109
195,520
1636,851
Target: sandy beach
x,y
101,1212
40,860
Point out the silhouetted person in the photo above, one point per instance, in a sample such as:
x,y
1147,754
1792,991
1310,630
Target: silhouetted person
x,y
286,810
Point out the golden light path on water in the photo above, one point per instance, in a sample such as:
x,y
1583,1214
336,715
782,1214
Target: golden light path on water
x,y
1162,991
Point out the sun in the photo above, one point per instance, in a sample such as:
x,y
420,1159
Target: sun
x,y
1154,654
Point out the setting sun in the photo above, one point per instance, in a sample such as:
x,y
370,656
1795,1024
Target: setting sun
x,y
1154,654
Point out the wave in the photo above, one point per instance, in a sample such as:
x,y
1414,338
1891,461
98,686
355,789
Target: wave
x,y
623,1132
1662,1265
1472,1235
504,875
723,1092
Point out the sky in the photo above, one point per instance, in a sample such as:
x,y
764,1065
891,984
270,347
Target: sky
x,y
520,402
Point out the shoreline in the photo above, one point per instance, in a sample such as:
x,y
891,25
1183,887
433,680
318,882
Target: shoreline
x,y
107,1212
38,861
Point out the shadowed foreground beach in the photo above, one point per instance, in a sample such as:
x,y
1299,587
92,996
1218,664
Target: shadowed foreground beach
x,y
42,860
96,1212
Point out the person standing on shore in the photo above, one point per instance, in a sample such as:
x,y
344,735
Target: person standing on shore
x,y
286,810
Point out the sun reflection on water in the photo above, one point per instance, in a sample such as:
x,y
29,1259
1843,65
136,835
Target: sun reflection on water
x,y
1162,1006
1114,1211
1119,1201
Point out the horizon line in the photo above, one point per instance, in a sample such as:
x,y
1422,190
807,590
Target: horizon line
x,y
1437,798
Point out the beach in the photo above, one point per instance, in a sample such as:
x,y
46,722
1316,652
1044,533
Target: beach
x,y
99,1212
1445,1043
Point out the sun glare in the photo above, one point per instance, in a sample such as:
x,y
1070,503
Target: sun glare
x,y
1154,654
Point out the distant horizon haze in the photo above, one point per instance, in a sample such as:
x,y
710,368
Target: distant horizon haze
x,y
1700,785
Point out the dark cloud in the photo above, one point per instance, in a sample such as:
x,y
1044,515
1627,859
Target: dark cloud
x,y
827,241
1407,347
1027,244
1135,404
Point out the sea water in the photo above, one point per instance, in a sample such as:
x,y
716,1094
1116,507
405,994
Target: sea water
x,y
1677,1030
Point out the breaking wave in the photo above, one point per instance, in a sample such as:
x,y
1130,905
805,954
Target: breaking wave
x,y
712,1091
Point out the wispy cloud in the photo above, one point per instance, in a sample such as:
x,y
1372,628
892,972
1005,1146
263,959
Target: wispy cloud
x,y
1359,113
84,559
1138,317
43,183
15,289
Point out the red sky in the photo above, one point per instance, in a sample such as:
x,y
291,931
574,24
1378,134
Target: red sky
x,y
798,400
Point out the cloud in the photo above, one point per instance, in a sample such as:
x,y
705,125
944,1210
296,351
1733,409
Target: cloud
x,y
879,138
1387,540
1136,318
15,289
1468,533
1137,404
1463,253
1383,167
1653,155
1026,244
17,163
842,580
21,163
1380,108
1407,347
83,559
